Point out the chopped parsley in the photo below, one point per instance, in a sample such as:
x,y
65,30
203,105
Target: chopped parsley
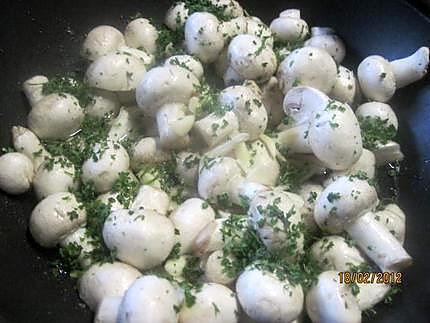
x,y
375,131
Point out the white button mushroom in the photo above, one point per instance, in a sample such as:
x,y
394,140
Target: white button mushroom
x,y
124,125
334,253
272,98
256,27
107,310
309,193
102,169
16,173
215,271
329,301
56,217
56,116
215,128
394,219
234,27
163,85
308,66
289,27
249,109
252,58
149,299
266,298
344,205
140,33
111,199
380,78
81,239
203,37
147,151
176,16
326,39
141,238
100,41
118,71
55,175
215,303
106,280
26,142
378,110
231,8
104,104
190,218
346,88
33,89
150,198
188,62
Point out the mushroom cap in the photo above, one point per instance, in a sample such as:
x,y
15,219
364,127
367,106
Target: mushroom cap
x,y
334,253
104,171
176,16
146,151
329,42
345,88
336,121
249,109
141,33
147,59
105,280
265,298
203,37
151,198
26,142
117,71
188,62
231,7
255,27
107,310
215,129
54,176
173,125
56,116
100,41
302,103
165,84
289,29
16,173
214,176
233,27
377,79
251,58
378,110
190,218
141,238
308,66
215,303
342,202
187,167
103,103
214,269
149,299
55,217
329,301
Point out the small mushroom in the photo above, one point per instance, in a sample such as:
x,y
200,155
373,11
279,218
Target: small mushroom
x,y
124,126
215,128
147,151
111,199
187,167
326,39
33,89
210,238
55,175
56,217
107,310
255,27
215,271
105,280
56,116
141,238
26,142
176,16
289,27
308,66
163,85
249,109
150,198
102,169
233,27
81,239
380,78
16,173
203,37
215,303
188,62
378,110
100,41
266,298
104,103
345,205
144,57
329,301
394,219
345,88
149,299
231,8
140,33
252,58
189,219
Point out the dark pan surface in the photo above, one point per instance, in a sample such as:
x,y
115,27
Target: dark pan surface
x,y
45,36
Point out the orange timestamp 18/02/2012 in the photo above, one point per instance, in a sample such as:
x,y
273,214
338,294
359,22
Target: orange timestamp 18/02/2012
x,y
347,277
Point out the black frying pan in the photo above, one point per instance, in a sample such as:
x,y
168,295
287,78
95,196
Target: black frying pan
x,y
44,36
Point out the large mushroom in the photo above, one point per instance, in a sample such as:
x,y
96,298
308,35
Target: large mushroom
x,y
380,78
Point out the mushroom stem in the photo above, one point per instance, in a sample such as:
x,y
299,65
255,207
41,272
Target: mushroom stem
x,y
295,139
378,243
412,68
